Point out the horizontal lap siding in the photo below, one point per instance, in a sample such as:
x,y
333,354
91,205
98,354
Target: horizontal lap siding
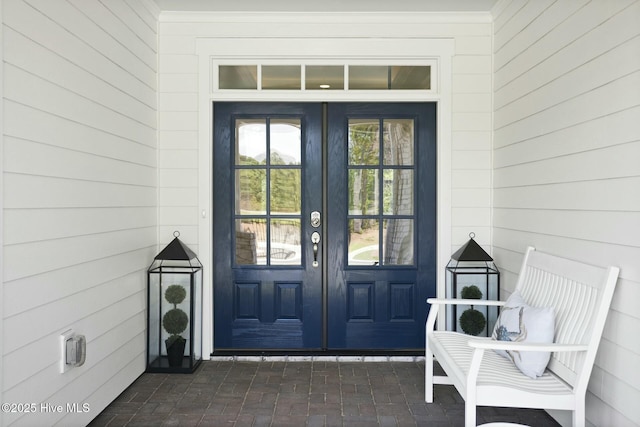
x,y
471,141
566,171
178,140
471,106
79,197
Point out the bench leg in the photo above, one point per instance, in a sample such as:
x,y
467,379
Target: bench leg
x,y
470,413
579,414
428,376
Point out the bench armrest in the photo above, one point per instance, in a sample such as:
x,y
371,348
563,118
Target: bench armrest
x,y
442,301
480,346
489,344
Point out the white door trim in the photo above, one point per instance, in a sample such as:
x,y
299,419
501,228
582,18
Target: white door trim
x,y
383,51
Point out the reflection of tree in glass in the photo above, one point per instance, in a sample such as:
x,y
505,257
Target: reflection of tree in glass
x,y
363,150
398,151
363,144
285,190
251,185
285,184
398,191
276,159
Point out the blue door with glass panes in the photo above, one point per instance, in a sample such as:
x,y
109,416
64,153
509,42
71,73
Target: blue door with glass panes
x,y
324,225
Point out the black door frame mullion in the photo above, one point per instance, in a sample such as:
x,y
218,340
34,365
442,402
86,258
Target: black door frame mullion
x,y
325,210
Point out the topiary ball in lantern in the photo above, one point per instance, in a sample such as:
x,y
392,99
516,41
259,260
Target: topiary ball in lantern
x,y
472,321
175,294
471,292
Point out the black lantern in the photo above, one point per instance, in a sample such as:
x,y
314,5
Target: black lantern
x,y
472,274
174,310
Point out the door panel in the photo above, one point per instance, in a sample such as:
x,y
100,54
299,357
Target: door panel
x,y
384,188
374,176
267,295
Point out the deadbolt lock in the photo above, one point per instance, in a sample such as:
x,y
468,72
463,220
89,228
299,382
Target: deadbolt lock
x,y
315,219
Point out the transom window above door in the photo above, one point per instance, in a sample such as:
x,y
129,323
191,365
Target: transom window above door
x,y
324,77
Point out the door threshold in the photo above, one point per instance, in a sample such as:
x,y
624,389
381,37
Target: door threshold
x,y
318,356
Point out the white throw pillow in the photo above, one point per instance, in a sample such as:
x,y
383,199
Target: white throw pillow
x,y
521,323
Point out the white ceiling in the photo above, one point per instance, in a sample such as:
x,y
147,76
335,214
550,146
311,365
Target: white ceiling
x,y
327,5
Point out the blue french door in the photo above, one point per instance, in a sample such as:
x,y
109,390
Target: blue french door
x,y
267,179
324,225
381,181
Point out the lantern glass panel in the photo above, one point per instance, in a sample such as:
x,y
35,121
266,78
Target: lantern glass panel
x,y
482,274
153,332
174,315
197,316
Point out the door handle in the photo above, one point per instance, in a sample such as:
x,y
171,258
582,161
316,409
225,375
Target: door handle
x,y
315,239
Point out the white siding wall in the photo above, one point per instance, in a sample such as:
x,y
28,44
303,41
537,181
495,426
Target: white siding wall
x,y
471,102
566,157
1,198
79,198
471,137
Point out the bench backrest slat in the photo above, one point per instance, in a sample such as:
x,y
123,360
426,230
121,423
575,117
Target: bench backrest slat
x,y
580,295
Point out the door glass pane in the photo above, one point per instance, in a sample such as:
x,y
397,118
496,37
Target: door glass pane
x,y
398,142
327,77
398,192
250,188
364,242
398,242
286,248
266,187
364,142
285,142
238,77
383,202
363,192
285,191
281,77
251,141
251,241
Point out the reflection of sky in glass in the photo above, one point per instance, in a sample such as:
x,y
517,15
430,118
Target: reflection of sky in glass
x,y
252,139
285,139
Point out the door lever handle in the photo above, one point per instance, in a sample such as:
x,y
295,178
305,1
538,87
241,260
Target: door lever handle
x,y
315,239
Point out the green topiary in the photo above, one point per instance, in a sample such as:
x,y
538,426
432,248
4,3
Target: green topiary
x,y
175,294
175,321
471,292
472,321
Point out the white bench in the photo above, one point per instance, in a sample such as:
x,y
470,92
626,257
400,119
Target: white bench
x,y
580,295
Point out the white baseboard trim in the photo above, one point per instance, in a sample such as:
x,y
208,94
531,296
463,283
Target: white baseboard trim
x,y
317,358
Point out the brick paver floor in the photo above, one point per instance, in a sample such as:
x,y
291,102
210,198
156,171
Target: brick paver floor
x,y
307,393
